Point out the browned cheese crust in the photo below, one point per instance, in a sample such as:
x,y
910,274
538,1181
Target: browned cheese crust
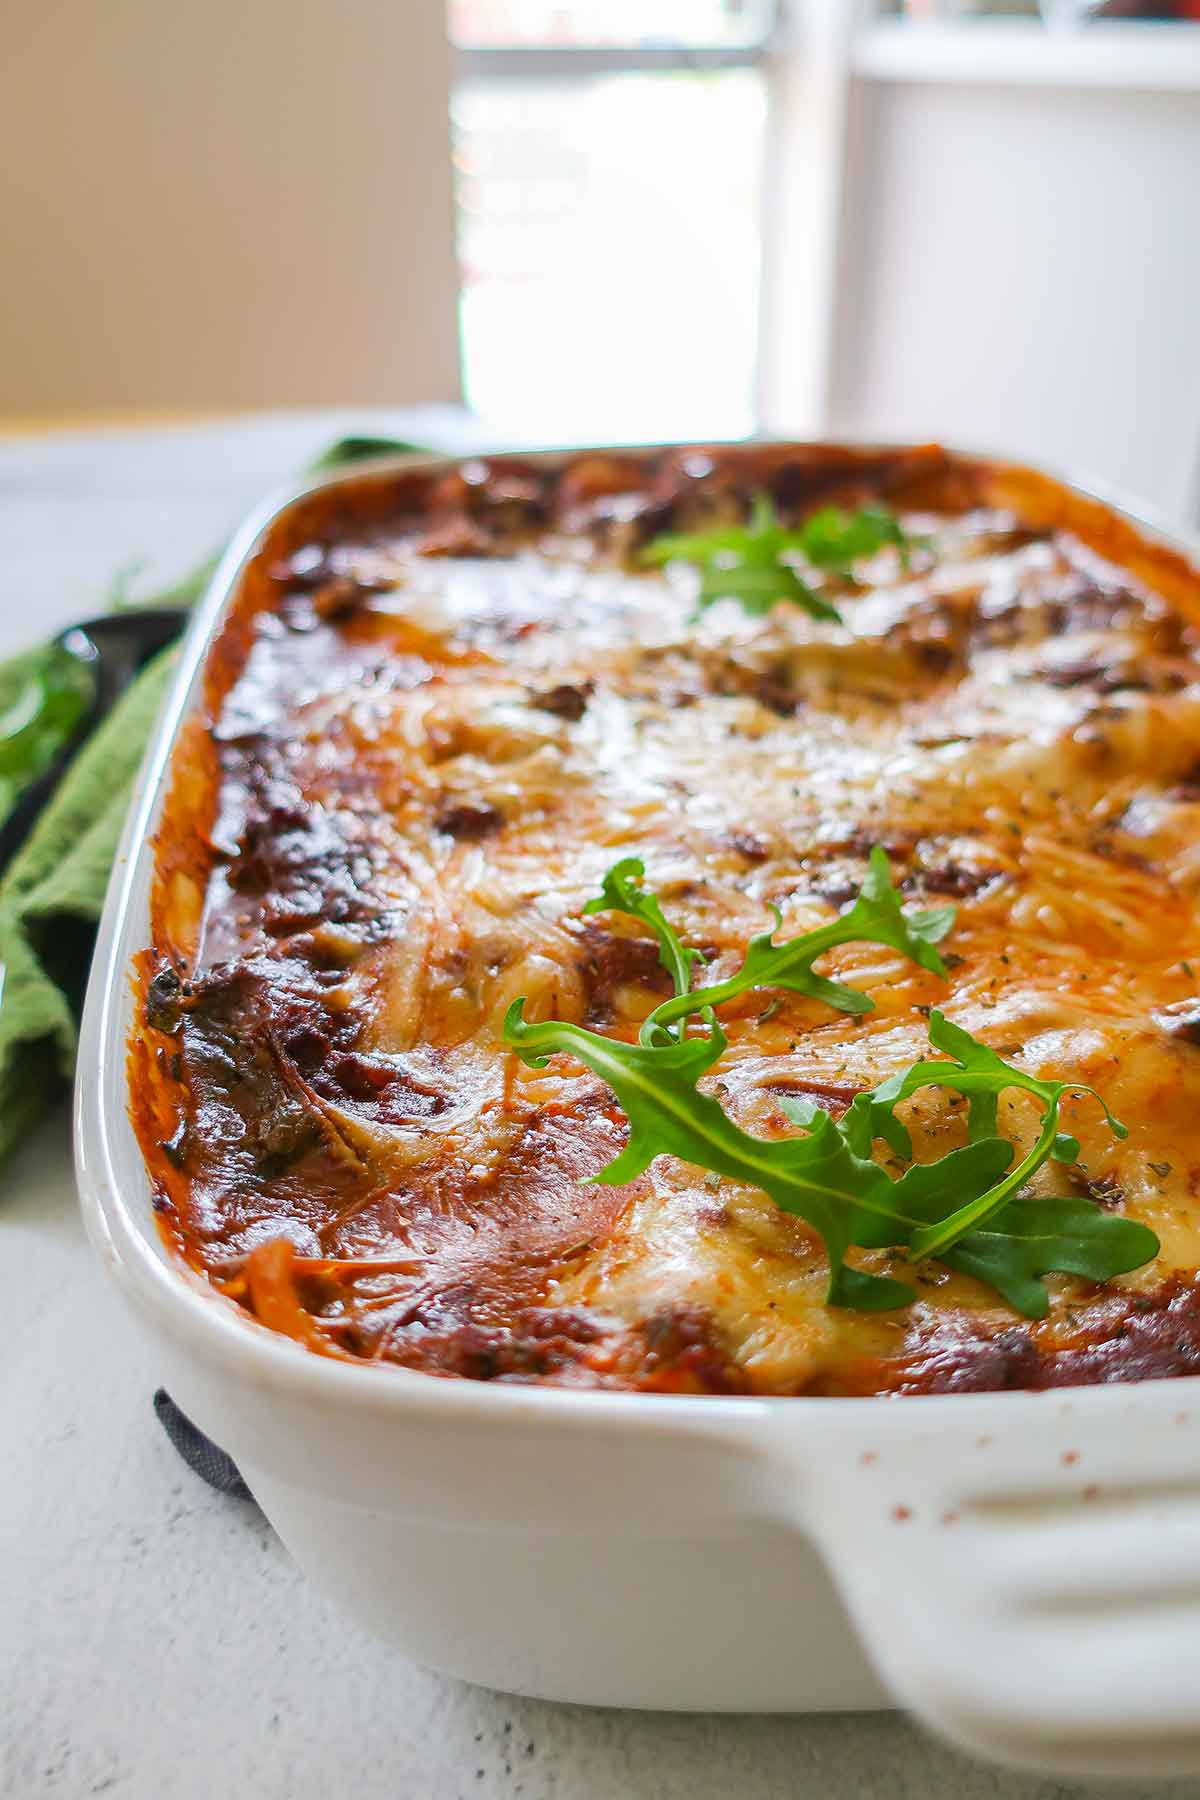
x,y
444,703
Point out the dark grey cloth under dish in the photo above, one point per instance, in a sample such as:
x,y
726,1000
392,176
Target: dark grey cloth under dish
x,y
201,1455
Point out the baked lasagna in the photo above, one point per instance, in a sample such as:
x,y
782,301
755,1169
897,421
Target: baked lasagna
x,y
705,920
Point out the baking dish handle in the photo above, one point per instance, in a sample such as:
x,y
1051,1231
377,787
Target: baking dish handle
x,y
1025,1583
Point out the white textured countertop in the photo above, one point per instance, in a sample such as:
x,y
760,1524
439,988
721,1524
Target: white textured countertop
x,y
155,1641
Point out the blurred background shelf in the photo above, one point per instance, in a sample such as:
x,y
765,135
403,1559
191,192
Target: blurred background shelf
x,y
1132,56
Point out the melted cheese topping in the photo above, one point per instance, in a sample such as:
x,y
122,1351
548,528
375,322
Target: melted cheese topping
x,y
434,740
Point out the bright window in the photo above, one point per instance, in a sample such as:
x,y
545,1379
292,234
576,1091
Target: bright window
x,y
609,213
624,22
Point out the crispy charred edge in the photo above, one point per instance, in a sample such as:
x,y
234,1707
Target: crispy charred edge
x,y
576,491
1045,504
677,1351
571,492
1119,1336
629,496
157,1099
182,841
267,1286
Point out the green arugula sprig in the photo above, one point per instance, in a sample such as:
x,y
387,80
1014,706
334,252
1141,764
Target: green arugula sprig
x,y
836,540
974,1070
755,563
966,1207
874,918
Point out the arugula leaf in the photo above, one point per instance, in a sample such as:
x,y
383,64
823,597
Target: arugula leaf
x,y
979,1073
874,918
835,540
1024,1240
622,892
927,1191
1029,1238
757,585
753,563
744,563
816,1177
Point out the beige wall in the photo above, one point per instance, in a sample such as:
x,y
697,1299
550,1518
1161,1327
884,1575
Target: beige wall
x,y
1021,270
223,203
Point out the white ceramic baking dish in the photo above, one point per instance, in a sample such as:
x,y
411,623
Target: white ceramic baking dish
x,y
1021,1571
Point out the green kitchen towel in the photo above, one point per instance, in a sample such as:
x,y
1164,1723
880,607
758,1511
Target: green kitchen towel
x,y
52,892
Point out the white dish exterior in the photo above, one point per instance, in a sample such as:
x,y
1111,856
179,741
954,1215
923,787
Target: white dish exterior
x,y
1021,1571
